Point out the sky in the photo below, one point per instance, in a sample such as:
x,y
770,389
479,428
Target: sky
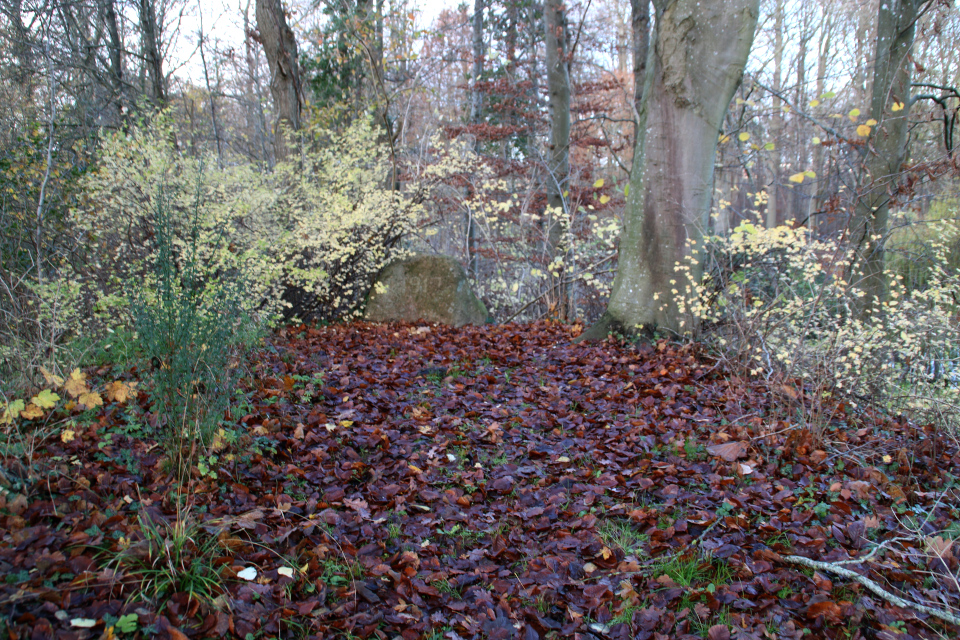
x,y
222,22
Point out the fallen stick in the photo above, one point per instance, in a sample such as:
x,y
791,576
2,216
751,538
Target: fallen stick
x,y
946,616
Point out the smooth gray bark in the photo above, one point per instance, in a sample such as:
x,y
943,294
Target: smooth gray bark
x,y
887,146
697,55
558,160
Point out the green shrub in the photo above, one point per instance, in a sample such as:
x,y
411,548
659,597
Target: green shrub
x,y
190,325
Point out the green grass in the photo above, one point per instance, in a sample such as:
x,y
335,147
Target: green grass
x,y
171,558
621,534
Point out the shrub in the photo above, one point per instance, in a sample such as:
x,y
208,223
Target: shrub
x,y
190,325
308,237
775,302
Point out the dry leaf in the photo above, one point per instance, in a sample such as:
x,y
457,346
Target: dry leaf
x,y
76,384
119,391
729,451
32,412
91,400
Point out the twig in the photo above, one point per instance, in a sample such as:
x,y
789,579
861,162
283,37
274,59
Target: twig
x,y
946,616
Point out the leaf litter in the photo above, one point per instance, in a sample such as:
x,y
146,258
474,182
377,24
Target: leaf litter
x,y
494,482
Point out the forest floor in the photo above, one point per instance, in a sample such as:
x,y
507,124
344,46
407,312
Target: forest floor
x,y
484,482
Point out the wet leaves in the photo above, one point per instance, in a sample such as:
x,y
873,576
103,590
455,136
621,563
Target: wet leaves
x,y
489,482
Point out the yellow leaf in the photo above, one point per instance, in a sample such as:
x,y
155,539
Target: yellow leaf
x,y
770,146
346,423
32,412
896,106
863,131
810,174
887,459
871,122
606,553
724,138
68,435
46,399
598,184
415,469
604,199
815,140
51,379
76,384
91,399
119,391
744,136
814,103
566,194
11,411
797,177
853,115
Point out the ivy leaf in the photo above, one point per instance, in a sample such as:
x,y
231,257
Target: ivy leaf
x,y
127,623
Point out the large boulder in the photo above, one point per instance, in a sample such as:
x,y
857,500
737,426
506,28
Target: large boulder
x,y
425,287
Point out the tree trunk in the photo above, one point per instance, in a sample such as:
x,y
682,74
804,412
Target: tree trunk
x,y
558,161
776,125
640,14
150,34
887,148
116,61
476,117
280,47
698,52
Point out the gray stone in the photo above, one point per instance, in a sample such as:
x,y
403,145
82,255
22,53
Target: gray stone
x,y
426,287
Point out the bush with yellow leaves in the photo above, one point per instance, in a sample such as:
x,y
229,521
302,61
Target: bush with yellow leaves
x,y
778,303
307,237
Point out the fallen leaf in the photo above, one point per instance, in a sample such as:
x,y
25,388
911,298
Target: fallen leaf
x,y
729,451
249,574
76,384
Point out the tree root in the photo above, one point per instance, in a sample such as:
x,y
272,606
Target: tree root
x,y
946,616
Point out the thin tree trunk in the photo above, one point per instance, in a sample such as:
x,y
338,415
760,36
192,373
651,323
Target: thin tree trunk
x,y
476,118
558,161
150,34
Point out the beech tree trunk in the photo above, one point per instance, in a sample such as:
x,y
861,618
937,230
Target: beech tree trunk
x,y
280,47
640,21
698,51
558,160
887,148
